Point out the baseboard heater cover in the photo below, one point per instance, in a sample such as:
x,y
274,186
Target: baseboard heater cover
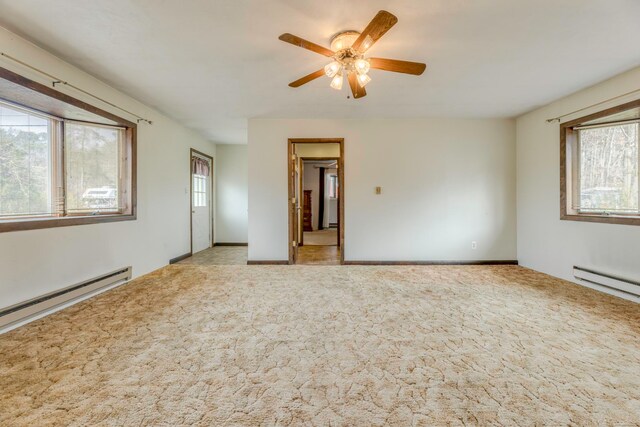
x,y
33,307
628,286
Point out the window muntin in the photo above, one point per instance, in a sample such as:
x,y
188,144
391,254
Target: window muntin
x,y
608,159
199,191
26,163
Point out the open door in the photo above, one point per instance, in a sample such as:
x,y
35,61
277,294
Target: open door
x,y
294,204
201,201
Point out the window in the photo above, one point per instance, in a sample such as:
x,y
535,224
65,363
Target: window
x,y
333,186
608,173
93,169
32,184
26,157
57,171
199,191
601,158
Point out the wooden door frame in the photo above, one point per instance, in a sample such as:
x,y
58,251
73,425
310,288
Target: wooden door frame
x,y
193,151
320,159
292,209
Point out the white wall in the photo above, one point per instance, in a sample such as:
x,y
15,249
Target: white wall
x,y
40,261
232,193
445,183
545,243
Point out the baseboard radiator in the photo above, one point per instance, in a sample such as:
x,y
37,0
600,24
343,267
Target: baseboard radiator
x,y
28,309
628,286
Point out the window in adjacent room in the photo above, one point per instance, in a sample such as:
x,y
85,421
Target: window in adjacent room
x,y
600,168
333,186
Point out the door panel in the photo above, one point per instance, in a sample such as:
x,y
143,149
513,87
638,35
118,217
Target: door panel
x,y
200,213
294,205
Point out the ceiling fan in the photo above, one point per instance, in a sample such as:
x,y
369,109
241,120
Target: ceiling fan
x,y
348,50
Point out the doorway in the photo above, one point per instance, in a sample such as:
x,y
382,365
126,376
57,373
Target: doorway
x,y
201,168
316,196
320,192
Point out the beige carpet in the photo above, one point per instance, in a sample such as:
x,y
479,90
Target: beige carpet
x,y
321,237
286,345
219,255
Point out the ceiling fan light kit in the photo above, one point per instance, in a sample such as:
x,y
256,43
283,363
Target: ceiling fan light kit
x,y
347,52
347,60
332,68
336,82
363,79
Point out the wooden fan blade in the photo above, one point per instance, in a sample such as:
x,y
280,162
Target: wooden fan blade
x,y
297,41
398,66
357,90
307,78
379,25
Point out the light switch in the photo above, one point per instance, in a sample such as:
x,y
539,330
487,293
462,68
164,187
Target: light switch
x,y
378,190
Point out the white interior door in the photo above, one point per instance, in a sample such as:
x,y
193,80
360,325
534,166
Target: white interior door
x,y
201,235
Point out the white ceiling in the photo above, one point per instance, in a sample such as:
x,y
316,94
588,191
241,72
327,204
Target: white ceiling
x,y
212,64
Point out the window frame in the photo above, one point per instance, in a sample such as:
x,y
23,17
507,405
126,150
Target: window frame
x,y
19,90
53,124
570,165
123,173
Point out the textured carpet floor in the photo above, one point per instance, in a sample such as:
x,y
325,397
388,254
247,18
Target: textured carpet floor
x,y
284,345
219,255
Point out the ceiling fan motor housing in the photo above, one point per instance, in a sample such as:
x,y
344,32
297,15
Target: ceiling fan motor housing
x,y
341,44
343,40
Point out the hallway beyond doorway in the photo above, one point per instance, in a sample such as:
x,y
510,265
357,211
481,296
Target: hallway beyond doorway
x,y
319,255
316,175
328,237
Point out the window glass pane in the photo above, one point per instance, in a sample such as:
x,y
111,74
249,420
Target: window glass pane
x,y
92,167
199,191
25,163
609,169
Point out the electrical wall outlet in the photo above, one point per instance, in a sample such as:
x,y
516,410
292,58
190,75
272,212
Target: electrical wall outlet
x,y
474,245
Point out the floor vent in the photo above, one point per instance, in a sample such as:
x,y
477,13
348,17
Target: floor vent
x,y
628,286
21,312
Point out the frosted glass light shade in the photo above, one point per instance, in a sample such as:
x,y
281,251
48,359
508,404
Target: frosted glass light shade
x,y
332,69
336,83
363,79
362,66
